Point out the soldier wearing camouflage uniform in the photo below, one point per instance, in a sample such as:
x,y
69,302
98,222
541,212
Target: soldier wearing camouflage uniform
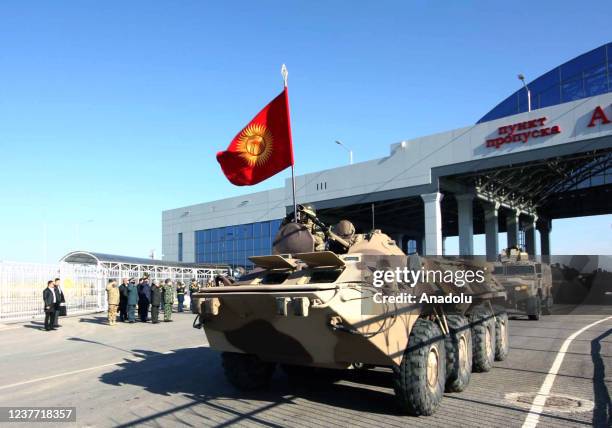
x,y
193,288
168,293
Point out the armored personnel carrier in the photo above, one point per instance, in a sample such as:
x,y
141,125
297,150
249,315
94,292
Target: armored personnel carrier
x,y
305,310
528,283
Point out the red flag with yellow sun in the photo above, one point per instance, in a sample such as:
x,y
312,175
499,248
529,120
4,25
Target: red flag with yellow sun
x,y
263,147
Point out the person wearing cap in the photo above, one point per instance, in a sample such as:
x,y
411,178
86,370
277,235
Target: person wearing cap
x,y
168,300
132,300
156,301
180,295
193,288
113,301
123,290
144,299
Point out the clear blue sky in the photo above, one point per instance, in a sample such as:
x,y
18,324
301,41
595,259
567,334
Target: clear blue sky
x,y
112,111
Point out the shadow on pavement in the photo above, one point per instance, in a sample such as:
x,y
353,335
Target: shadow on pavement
x,y
36,325
602,413
196,373
95,320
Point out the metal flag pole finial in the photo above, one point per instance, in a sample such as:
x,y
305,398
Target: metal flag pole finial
x,y
285,74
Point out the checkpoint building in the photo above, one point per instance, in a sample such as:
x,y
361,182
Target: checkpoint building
x,y
522,165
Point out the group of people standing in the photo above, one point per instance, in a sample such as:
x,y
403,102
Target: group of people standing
x,y
145,297
54,303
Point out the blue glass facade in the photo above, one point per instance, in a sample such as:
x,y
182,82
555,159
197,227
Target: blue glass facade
x,y
584,76
234,244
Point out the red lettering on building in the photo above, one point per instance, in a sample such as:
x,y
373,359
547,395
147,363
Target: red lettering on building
x,y
598,115
508,133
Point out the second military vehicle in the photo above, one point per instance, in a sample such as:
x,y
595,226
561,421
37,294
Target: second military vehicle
x,y
528,283
305,310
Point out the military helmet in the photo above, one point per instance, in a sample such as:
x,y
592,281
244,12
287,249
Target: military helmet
x,y
308,209
344,229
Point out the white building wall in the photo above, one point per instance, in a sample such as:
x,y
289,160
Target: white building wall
x,y
409,164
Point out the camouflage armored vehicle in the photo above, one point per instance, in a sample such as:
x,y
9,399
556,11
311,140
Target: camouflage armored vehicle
x,y
528,283
310,310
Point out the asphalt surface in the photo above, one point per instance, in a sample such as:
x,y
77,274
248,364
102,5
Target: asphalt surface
x,y
165,375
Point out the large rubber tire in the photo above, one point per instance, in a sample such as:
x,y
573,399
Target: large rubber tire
x,y
502,343
535,310
419,380
547,306
483,340
458,346
246,371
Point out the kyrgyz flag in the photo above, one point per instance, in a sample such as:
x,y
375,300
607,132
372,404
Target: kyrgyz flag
x,y
263,147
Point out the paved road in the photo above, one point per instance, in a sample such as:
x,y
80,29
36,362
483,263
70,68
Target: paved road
x,y
164,375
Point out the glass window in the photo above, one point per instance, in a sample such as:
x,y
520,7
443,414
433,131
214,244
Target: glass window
x,y
596,80
572,90
265,229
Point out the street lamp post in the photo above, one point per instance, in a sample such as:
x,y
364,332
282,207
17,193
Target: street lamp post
x,y
350,152
522,79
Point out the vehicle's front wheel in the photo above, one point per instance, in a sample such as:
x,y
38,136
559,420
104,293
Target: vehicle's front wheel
x,y
458,353
246,371
534,308
419,380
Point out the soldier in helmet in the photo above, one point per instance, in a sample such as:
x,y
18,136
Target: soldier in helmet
x,y
346,231
306,216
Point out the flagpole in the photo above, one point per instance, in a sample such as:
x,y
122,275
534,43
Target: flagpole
x,y
285,75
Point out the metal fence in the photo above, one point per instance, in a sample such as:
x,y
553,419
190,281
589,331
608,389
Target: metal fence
x,y
84,286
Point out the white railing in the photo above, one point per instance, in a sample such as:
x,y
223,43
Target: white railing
x,y
22,285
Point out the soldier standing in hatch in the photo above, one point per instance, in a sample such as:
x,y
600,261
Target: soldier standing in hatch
x,y
306,214
123,290
193,288
168,300
113,301
180,295
156,301
132,300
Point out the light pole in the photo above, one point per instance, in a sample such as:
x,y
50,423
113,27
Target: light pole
x,y
522,79
348,150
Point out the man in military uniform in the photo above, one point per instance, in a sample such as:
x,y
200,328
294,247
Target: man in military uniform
x,y
306,214
113,301
156,301
193,288
180,295
168,300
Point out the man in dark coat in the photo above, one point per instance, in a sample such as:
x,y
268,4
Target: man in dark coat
x,y
51,302
123,297
144,300
132,300
156,301
61,301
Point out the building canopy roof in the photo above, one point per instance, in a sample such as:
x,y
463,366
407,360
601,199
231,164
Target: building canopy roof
x,y
93,258
586,75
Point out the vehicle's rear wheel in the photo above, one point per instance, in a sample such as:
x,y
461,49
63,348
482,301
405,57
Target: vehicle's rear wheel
x,y
419,380
502,344
458,346
483,340
534,308
246,371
